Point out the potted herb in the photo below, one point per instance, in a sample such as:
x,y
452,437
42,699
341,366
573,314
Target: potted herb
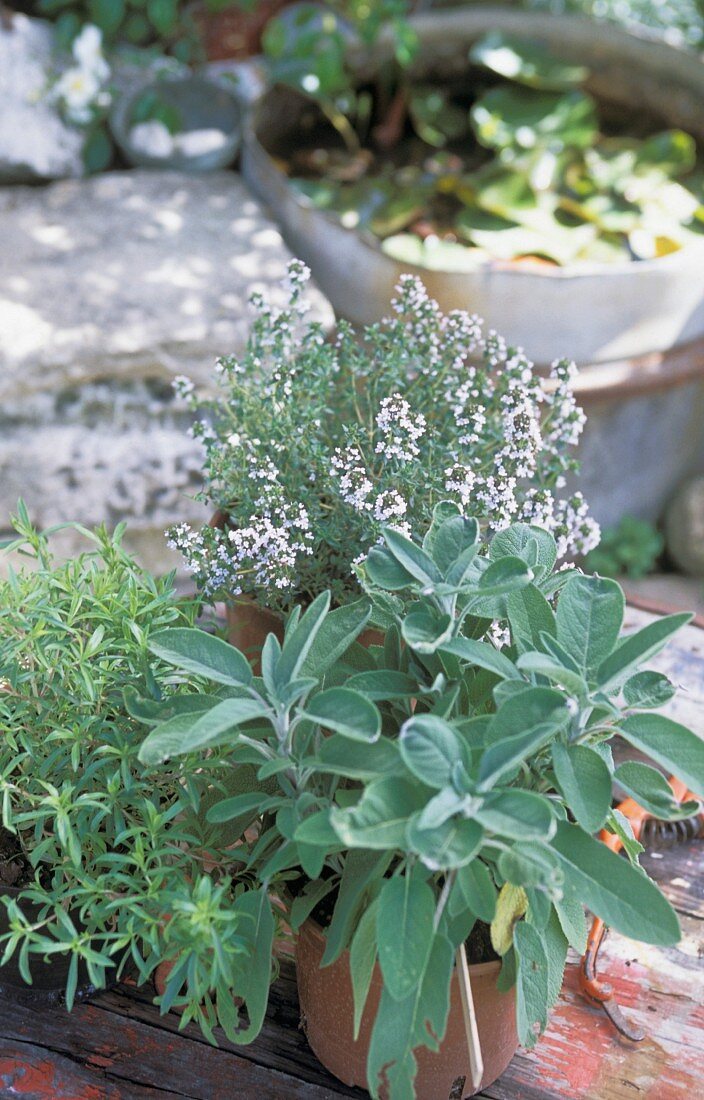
x,y
314,446
102,868
438,794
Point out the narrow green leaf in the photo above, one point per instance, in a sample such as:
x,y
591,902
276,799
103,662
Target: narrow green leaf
x,y
257,974
531,984
541,665
339,629
483,655
362,870
412,558
573,921
363,954
383,684
188,733
478,890
299,641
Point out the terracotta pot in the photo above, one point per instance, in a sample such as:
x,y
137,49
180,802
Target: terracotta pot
x,y
248,624
234,32
327,1013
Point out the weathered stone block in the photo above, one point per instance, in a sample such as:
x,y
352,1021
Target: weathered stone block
x,y
109,288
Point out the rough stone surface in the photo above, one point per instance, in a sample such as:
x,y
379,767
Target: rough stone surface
x,y
108,289
35,144
684,527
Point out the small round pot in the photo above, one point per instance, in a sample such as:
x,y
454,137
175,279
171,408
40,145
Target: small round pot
x,y
201,105
48,978
327,1015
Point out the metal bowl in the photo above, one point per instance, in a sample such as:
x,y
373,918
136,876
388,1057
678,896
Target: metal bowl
x,y
202,107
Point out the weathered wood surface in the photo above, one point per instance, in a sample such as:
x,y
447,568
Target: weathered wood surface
x,y
117,1046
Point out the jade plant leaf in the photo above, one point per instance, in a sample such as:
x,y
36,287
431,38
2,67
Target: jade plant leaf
x,y
526,62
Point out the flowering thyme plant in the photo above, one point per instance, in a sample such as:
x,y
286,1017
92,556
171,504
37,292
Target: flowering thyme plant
x,y
315,446
439,781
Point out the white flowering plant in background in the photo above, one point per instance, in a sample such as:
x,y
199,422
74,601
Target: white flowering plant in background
x,y
314,446
83,95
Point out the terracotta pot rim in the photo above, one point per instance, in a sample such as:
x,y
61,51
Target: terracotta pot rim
x,y
317,933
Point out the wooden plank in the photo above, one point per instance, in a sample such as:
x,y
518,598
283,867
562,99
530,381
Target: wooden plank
x,y
683,662
113,1053
34,1073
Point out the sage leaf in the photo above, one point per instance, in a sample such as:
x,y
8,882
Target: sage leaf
x,y
202,654
589,616
585,782
532,998
669,744
614,890
637,648
404,932
430,748
347,712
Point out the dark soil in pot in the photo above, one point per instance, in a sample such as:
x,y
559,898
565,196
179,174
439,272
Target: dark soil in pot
x,y
48,978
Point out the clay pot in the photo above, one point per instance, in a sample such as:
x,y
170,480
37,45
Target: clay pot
x,y
233,32
248,625
327,1014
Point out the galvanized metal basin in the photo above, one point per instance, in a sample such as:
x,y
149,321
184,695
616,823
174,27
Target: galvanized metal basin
x,y
593,313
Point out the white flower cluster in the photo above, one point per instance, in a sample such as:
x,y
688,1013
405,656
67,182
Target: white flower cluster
x,y
265,553
81,88
401,429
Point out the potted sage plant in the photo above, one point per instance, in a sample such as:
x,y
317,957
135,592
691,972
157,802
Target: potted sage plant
x,y
104,869
437,795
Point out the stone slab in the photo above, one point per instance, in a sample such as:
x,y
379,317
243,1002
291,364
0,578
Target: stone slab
x,y
109,288
35,144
